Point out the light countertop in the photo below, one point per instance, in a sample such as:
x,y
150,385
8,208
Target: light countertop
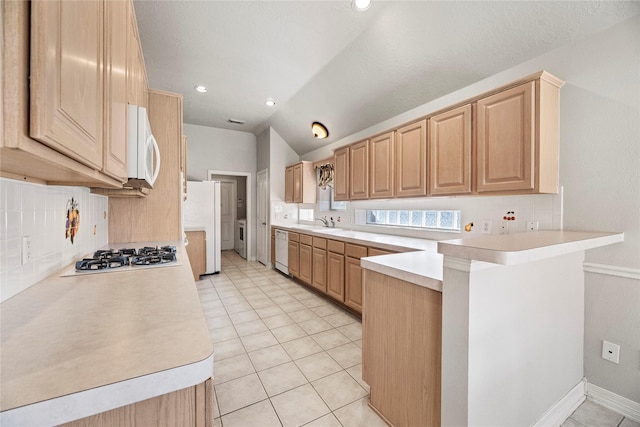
x,y
81,345
421,267
518,248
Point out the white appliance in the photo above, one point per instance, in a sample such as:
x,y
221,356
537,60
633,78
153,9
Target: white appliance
x,y
143,154
241,246
282,251
202,210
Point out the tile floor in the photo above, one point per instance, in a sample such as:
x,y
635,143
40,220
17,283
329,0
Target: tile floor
x,y
283,355
590,414
286,357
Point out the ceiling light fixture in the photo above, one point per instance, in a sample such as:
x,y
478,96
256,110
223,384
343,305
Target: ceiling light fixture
x,y
360,5
319,130
270,102
201,89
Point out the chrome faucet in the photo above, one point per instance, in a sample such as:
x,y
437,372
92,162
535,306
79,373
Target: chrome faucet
x,y
324,221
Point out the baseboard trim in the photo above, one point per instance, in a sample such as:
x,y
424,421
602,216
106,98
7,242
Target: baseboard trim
x,y
611,270
615,402
564,407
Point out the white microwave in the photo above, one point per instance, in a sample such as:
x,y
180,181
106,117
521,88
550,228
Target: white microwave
x,y
143,154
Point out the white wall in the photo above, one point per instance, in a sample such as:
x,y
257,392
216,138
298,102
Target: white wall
x,y
39,211
600,173
227,151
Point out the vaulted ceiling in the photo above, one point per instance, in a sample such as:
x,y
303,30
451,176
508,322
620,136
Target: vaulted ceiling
x,y
323,61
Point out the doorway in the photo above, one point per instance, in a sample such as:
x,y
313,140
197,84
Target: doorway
x,y
262,242
242,203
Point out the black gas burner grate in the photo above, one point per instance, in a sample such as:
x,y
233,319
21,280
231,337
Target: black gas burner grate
x,y
109,258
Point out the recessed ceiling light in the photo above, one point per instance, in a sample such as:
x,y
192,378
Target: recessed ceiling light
x,y
360,5
201,89
270,102
319,130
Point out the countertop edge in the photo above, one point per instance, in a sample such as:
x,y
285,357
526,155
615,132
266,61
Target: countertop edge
x,y
473,251
408,274
85,403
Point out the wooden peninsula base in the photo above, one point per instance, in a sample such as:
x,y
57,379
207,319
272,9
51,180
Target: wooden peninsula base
x,y
189,407
401,350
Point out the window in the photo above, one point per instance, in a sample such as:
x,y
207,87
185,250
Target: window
x,y
448,220
305,214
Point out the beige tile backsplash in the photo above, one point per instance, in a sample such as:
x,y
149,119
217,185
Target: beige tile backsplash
x,y
39,211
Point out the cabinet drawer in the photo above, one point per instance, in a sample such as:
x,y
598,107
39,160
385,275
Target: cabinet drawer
x,y
356,251
335,246
320,243
305,239
294,237
376,252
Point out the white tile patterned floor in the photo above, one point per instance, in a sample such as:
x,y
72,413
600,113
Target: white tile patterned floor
x,y
283,355
287,357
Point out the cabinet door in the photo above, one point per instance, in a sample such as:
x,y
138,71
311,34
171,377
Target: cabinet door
x,y
294,259
411,160
273,250
115,89
197,252
450,152
381,161
67,78
341,174
297,183
335,276
305,269
320,269
359,171
353,284
288,184
504,141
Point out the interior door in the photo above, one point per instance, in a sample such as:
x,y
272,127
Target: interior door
x,y
262,209
228,191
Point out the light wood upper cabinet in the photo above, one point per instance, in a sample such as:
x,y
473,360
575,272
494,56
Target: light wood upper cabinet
x,y
136,73
115,89
381,166
411,160
67,47
505,140
288,184
359,171
341,174
300,183
517,138
450,152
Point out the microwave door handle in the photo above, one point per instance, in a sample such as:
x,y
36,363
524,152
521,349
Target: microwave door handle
x,y
156,149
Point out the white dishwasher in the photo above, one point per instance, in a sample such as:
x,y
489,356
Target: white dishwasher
x,y
282,251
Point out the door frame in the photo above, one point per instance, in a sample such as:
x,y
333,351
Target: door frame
x,y
234,207
267,236
251,256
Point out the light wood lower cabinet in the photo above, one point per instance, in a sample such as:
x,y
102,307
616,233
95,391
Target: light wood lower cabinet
x,y
273,247
306,263
294,258
319,264
353,276
197,252
401,350
189,407
335,276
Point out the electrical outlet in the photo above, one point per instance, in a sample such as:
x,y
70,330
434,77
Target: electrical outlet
x,y
486,226
611,352
26,249
503,227
532,225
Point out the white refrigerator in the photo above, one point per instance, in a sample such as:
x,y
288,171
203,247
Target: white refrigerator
x,y
202,211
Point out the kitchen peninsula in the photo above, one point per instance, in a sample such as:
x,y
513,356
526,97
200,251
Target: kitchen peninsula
x,y
501,344
122,344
